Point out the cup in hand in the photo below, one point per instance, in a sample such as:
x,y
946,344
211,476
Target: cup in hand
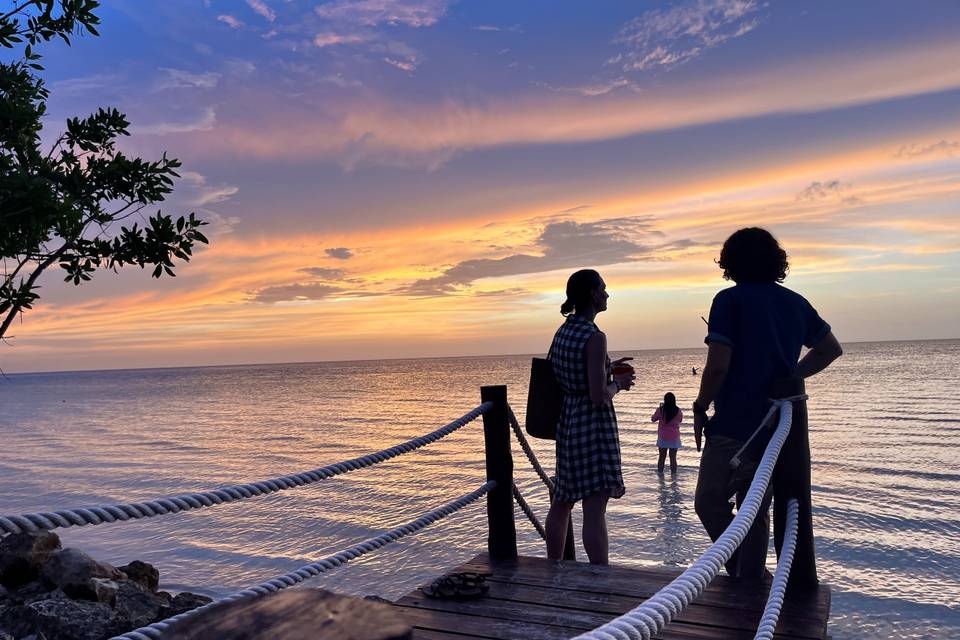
x,y
622,368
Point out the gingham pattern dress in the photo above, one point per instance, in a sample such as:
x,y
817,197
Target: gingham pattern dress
x,y
588,444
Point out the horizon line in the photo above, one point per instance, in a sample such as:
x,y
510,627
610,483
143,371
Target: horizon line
x,y
452,357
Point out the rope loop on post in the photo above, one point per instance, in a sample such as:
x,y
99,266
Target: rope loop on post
x,y
778,589
34,522
648,619
518,497
525,445
157,629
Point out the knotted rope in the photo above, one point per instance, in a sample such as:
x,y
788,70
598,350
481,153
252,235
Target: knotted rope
x,y
531,456
529,512
111,513
155,630
654,614
778,590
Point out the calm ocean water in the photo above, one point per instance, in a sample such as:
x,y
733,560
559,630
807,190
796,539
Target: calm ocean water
x,y
885,432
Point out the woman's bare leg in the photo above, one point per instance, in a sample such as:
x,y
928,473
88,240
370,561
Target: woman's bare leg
x,y
673,460
558,519
595,528
663,457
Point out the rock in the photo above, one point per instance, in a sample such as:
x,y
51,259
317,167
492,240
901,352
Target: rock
x,y
185,601
38,590
22,555
73,571
104,590
139,607
15,620
73,619
146,575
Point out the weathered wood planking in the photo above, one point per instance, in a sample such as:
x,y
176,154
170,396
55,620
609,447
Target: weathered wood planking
x,y
536,599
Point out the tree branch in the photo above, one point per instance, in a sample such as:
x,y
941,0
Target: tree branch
x,y
15,308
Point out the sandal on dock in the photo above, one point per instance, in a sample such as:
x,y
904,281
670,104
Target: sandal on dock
x,y
458,586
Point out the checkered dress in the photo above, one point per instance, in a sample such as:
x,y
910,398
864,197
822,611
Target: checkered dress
x,y
588,445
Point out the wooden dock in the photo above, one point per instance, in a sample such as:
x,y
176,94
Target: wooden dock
x,y
536,599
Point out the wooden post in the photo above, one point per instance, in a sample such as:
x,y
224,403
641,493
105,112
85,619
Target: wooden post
x,y
502,539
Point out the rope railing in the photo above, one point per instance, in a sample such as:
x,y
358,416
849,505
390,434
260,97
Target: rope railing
x,y
649,618
33,522
156,630
518,497
525,445
778,589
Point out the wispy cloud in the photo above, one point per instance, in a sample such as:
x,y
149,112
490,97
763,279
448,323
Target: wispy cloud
x,y
566,244
230,21
261,7
670,37
819,190
329,38
85,84
340,253
340,81
409,65
205,121
598,88
199,192
324,273
947,148
392,131
295,292
370,13
515,28
178,78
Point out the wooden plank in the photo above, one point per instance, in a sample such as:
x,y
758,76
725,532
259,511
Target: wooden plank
x,y
642,583
721,583
576,597
433,634
427,620
611,603
492,628
581,620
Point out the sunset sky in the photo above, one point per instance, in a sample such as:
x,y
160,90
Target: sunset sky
x,y
389,178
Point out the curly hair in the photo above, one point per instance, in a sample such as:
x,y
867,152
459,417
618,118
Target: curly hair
x,y
753,255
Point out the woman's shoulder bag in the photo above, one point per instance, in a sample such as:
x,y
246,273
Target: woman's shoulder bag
x,y
544,399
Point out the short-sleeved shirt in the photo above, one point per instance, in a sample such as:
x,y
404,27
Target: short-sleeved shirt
x,y
767,325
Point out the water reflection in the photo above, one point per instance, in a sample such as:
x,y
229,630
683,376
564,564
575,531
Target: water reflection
x,y
884,436
670,530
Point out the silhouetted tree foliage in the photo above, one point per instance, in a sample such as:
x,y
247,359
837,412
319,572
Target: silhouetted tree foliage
x,y
77,201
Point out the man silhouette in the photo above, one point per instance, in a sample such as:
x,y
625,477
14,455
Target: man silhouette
x,y
756,331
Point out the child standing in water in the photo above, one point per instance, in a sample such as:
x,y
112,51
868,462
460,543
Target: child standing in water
x,y
668,418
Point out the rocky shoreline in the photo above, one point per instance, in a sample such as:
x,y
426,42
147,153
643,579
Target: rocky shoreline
x,y
51,593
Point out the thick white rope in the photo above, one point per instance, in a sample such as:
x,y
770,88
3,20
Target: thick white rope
x,y
531,456
156,630
529,512
654,614
34,522
778,589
